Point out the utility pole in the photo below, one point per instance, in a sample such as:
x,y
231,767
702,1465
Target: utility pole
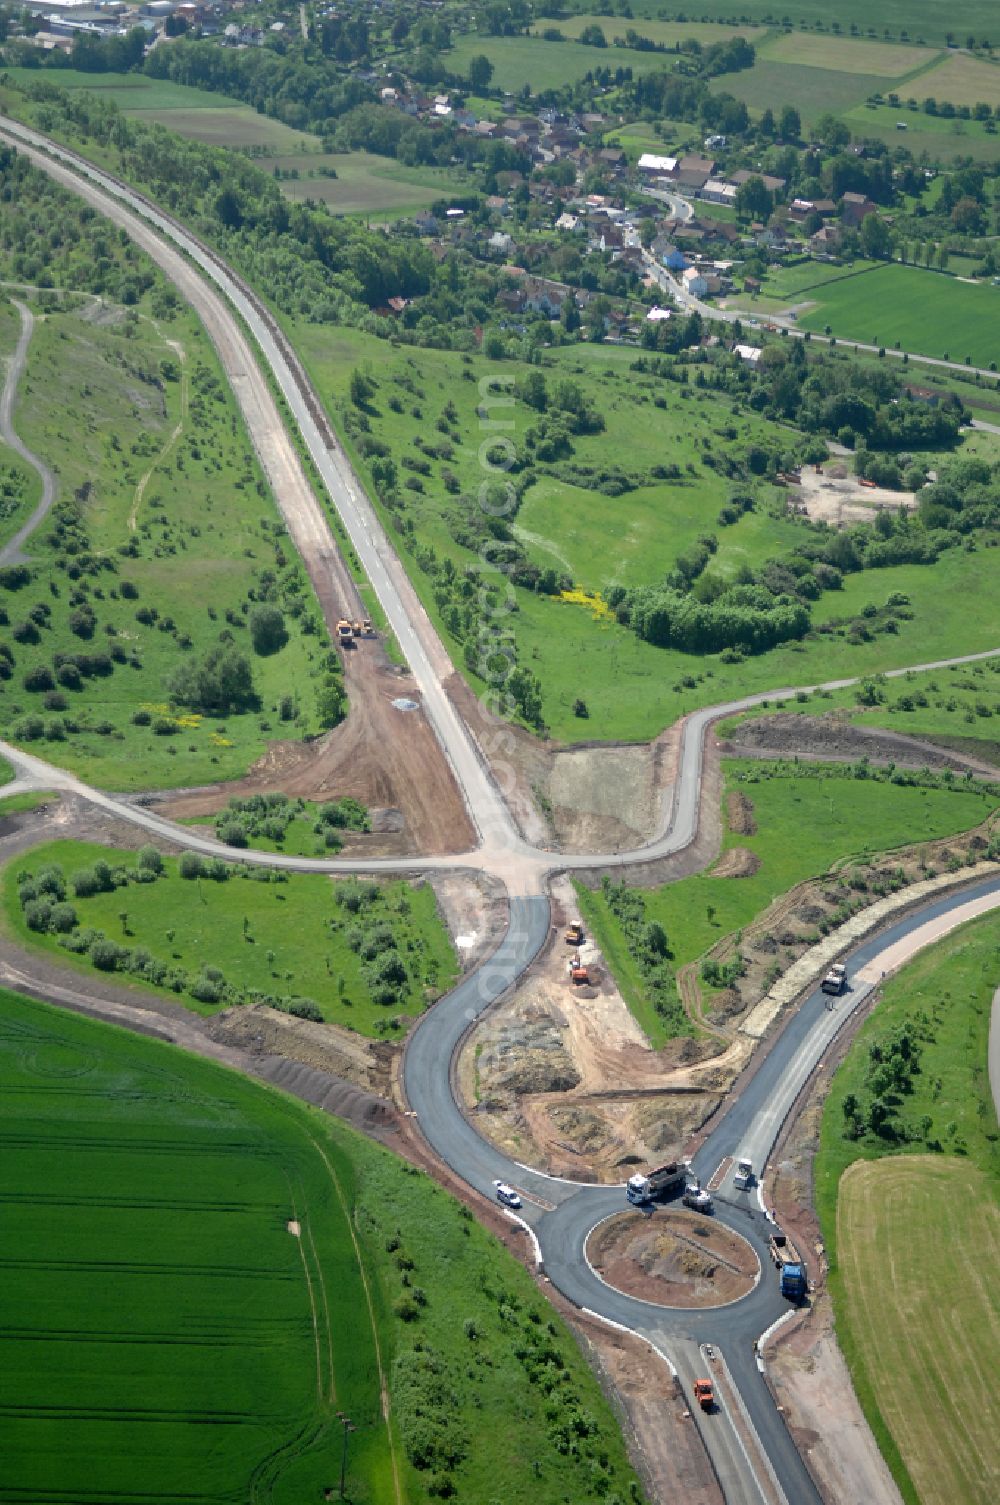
x,y
349,1427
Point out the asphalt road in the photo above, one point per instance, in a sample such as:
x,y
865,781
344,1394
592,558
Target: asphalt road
x,y
560,1214
13,549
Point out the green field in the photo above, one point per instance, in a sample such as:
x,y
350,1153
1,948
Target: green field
x,y
919,19
926,312
814,91
199,113
939,137
632,689
846,55
845,817
168,1337
546,65
287,937
157,476
936,1425
364,183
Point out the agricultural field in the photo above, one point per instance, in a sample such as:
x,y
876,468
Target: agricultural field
x,y
360,182
846,55
924,311
813,91
200,114
664,33
545,65
962,80
159,485
845,818
363,955
912,20
631,688
184,1246
937,1352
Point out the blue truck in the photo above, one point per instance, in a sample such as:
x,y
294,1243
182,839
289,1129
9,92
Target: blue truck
x,y
791,1270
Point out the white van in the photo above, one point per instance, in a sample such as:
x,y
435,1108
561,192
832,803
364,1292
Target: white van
x,y
743,1177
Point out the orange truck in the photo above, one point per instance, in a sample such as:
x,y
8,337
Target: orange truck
x,y
704,1394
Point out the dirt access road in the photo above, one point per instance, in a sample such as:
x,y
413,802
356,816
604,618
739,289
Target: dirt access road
x,y
12,551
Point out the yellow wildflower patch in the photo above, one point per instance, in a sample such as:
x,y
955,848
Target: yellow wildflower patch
x,y
218,741
593,600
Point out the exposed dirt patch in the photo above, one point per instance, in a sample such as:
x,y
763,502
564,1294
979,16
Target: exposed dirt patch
x,y
738,862
365,757
833,736
260,1031
739,814
836,497
673,1258
592,797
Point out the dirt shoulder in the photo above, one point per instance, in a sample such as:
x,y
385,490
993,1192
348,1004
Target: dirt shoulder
x,y
833,737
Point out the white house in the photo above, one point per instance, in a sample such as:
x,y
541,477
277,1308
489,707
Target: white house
x,y
749,353
717,192
694,282
657,315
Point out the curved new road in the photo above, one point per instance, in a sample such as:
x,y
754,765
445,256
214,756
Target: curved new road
x,y
750,1448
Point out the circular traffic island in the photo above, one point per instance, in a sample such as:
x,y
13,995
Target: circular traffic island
x,y
673,1258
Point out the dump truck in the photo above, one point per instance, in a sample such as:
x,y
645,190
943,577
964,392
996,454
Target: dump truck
x,y
579,974
345,633
357,628
657,1183
835,980
366,627
704,1394
574,933
743,1175
697,1198
791,1270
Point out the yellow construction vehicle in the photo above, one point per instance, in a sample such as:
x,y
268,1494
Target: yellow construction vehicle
x,y
574,934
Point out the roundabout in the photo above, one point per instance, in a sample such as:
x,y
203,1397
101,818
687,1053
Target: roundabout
x,y
673,1258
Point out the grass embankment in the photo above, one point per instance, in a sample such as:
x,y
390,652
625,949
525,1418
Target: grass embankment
x,y
362,182
805,820
957,707
173,1327
631,688
294,939
163,540
921,1230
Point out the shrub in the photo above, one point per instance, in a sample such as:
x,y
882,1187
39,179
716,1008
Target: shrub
x,y
268,633
62,919
105,955
37,914
141,718
39,678
69,677
233,834
205,989
85,883
150,859
190,865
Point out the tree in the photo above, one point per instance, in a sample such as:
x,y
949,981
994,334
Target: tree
x,y
790,124
876,238
267,630
480,73
766,126
218,683
753,200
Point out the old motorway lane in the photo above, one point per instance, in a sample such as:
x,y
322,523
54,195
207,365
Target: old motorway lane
x,y
560,1214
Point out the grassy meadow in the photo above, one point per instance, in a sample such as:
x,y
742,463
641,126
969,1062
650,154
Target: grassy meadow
x,y
924,311
283,934
961,79
938,136
171,1325
664,33
885,1202
845,817
547,65
161,482
632,689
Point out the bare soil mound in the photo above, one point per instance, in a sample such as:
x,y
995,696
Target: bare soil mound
x,y
739,810
738,862
785,734
673,1258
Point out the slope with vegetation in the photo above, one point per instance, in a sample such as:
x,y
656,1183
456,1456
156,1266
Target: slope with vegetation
x,y
907,1174
363,954
206,1273
162,628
